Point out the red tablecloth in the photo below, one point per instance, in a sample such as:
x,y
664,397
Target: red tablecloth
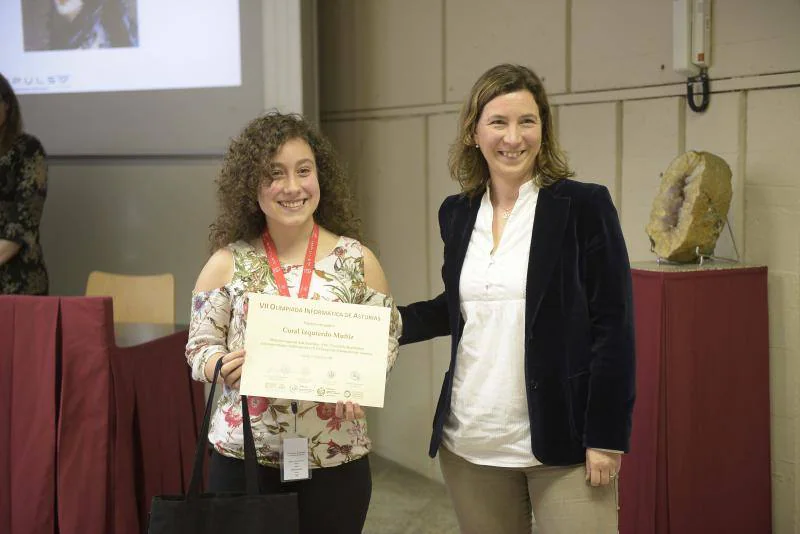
x,y
28,414
700,449
89,432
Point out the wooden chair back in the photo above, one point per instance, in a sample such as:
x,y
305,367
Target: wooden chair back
x,y
136,298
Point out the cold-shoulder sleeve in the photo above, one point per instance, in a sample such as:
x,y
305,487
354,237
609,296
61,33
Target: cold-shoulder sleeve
x,y
208,329
375,298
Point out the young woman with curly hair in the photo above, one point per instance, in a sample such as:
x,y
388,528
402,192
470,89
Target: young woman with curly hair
x,y
280,190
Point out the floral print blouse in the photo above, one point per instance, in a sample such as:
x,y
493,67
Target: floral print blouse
x,y
217,325
23,188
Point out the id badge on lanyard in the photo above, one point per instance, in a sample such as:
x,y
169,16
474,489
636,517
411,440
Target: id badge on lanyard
x,y
294,462
294,454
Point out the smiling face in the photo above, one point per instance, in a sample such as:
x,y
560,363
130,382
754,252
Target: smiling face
x,y
289,195
509,133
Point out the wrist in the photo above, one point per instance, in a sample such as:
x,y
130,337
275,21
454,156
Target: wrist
x,y
211,364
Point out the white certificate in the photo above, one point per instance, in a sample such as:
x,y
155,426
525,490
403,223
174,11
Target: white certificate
x,y
315,350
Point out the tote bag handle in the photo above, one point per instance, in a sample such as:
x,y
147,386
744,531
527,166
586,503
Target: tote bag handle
x,y
250,462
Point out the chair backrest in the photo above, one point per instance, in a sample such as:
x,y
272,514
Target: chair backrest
x,y
136,298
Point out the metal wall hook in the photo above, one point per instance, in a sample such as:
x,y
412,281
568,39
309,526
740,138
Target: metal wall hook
x,y
702,80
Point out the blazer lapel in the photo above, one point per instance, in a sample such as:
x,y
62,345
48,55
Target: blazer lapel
x,y
549,223
462,225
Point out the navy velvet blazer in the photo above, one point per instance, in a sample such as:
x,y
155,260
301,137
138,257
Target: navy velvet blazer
x,y
579,339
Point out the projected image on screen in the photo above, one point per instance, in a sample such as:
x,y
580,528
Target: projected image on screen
x,y
93,46
79,24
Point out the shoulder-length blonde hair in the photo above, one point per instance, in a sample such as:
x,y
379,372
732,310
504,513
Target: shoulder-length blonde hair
x,y
246,165
468,166
12,127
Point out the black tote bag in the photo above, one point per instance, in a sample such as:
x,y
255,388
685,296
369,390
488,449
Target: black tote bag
x,y
214,513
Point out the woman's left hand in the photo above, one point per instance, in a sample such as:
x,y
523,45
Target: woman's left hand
x,y
349,410
602,467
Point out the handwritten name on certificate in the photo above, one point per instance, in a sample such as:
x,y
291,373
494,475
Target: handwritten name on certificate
x,y
315,350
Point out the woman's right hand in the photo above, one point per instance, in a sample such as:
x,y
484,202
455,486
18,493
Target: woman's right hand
x,y
231,371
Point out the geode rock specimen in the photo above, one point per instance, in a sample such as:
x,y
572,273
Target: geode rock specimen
x,y
691,207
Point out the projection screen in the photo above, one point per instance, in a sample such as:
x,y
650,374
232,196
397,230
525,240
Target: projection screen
x,y
148,77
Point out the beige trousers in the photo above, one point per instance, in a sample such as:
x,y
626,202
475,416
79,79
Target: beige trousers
x,y
489,500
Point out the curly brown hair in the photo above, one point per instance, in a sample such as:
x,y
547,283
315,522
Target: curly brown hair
x,y
468,166
246,166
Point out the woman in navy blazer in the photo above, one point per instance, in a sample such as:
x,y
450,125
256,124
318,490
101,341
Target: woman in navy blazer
x,y
535,409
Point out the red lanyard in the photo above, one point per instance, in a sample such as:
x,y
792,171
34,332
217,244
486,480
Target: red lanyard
x,y
308,264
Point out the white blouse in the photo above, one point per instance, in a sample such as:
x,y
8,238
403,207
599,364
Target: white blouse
x,y
488,422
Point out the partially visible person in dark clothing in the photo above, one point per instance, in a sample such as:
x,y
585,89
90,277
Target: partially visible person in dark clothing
x,y
23,187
